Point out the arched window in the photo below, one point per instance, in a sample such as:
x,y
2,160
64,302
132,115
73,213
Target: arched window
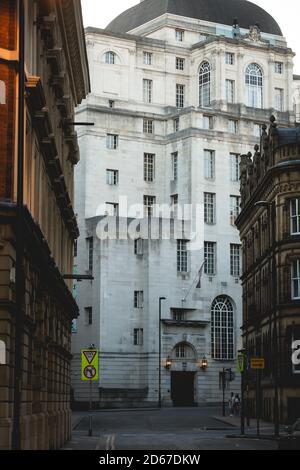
x,y
110,57
2,92
204,84
254,84
183,351
2,353
222,328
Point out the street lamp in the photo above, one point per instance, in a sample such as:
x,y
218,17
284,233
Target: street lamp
x,y
204,363
159,353
272,221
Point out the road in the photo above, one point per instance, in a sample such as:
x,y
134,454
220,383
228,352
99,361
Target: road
x,y
165,429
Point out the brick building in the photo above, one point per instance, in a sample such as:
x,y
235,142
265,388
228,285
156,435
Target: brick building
x,y
269,226
56,81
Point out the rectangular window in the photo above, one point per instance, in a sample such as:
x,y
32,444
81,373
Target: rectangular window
x,y
229,58
210,258
148,126
295,216
257,130
235,202
178,315
209,208
176,124
230,91
279,67
138,299
112,209
88,313
147,58
174,162
179,63
149,203
112,177
179,95
209,164
90,248
232,126
179,35
138,337
147,90
234,167
182,256
149,167
139,247
296,279
174,205
208,122
235,260
279,97
112,141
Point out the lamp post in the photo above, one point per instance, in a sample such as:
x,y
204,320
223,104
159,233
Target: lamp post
x,y
272,244
159,353
19,320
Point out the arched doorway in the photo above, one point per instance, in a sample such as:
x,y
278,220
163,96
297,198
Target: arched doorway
x,y
183,375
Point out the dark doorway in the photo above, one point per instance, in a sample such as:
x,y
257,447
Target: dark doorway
x,y
182,388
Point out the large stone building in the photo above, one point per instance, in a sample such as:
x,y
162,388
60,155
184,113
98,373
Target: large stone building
x,y
56,80
179,91
269,225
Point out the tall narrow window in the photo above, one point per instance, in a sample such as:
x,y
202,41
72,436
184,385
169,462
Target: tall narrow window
x,y
88,313
254,85
174,206
210,249
112,141
148,126
112,209
149,167
149,203
176,124
222,329
295,216
110,58
138,299
179,35
232,126
234,167
204,84
229,58
278,97
278,67
209,164
208,122
90,248
235,202
180,95
179,63
235,260
147,58
112,177
147,90
174,162
257,130
139,247
138,337
182,256
296,279
230,91
209,208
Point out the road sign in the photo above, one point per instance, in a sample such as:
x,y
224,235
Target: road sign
x,y
241,360
257,363
89,364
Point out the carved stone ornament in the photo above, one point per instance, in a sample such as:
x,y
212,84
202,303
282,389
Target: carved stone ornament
x,y
254,33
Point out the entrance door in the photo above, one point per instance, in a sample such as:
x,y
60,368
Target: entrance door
x,y
182,388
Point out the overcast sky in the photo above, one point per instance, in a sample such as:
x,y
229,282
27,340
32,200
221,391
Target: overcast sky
x,y
287,13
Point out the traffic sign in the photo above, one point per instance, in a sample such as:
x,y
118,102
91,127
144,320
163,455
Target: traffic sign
x,y
241,362
257,363
89,364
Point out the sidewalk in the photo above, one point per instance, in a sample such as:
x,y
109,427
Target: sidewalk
x,y
266,430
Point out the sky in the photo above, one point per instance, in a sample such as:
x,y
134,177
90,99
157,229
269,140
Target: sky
x,y
99,13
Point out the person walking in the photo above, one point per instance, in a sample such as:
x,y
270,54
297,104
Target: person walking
x,y
231,404
236,405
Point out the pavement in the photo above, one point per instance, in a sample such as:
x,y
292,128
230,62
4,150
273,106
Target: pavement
x,y
199,428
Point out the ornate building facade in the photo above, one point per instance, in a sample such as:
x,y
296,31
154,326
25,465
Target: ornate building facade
x,y
269,226
179,91
56,81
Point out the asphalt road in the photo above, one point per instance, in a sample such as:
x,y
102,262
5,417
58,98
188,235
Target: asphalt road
x,y
165,429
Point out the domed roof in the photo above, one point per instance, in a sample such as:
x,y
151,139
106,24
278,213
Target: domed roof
x,y
215,11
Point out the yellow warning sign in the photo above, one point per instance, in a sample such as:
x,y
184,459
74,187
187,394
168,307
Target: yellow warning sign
x,y
257,363
89,364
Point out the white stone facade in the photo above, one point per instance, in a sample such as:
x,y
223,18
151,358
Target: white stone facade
x,y
129,373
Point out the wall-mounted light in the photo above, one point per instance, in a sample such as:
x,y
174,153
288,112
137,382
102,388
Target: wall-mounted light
x,y
204,363
168,363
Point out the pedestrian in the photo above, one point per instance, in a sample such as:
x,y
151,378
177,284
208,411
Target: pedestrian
x,y
236,405
231,404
